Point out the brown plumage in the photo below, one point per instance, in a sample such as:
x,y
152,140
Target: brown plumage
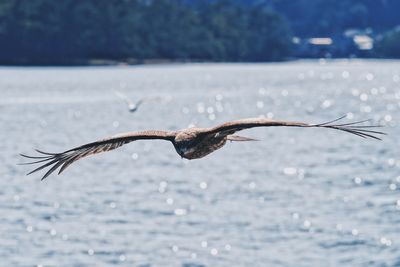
x,y
191,143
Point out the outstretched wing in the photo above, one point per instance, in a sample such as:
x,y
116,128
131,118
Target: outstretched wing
x,y
146,98
356,128
140,102
124,98
66,158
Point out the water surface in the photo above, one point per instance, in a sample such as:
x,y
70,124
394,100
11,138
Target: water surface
x,y
299,197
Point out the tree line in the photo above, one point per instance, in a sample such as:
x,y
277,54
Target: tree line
x,y
311,18
76,31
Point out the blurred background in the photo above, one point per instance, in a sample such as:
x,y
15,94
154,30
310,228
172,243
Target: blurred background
x,y
298,197
137,31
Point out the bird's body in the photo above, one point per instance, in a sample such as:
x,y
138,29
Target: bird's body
x,y
190,143
132,107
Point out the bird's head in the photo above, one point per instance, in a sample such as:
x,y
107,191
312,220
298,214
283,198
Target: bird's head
x,y
182,146
184,142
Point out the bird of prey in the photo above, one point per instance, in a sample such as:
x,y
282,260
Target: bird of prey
x,y
190,143
132,107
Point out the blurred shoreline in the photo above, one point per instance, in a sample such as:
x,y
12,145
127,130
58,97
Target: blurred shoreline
x,y
137,62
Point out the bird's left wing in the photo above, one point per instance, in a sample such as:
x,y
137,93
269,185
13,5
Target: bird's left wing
x,y
356,128
124,98
66,158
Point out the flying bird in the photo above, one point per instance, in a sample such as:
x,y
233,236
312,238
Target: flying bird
x,y
132,106
190,143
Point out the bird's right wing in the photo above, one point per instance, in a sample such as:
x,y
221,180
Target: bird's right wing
x,y
66,158
146,98
140,102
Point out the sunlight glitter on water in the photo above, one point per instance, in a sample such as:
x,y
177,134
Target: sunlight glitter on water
x,y
248,204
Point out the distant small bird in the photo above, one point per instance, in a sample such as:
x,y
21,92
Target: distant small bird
x,y
132,107
190,143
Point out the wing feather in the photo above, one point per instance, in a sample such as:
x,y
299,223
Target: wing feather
x,y
355,128
66,158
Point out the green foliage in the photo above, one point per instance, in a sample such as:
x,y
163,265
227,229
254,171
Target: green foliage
x,y
389,45
75,31
311,18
